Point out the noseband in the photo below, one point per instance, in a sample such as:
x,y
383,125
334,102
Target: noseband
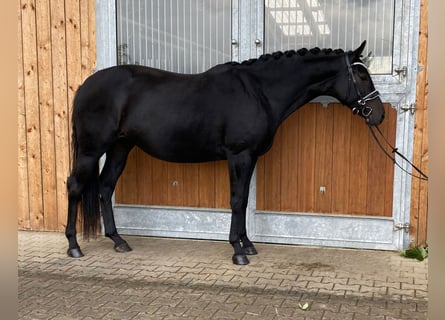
x,y
361,105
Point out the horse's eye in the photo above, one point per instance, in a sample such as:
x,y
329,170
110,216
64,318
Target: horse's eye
x,y
363,76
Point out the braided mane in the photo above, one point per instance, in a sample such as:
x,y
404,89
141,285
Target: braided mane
x,y
288,54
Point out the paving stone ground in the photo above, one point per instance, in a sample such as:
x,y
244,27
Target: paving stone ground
x,y
195,279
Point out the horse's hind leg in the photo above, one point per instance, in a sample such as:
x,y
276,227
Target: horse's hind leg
x,y
114,165
241,167
74,194
81,176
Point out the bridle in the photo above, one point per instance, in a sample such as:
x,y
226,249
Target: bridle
x,y
361,105
365,110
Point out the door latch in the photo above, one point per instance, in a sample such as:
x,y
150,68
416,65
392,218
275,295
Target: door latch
x,y
411,108
402,226
401,72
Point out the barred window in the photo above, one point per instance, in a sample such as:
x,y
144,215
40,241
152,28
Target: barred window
x,y
293,24
186,36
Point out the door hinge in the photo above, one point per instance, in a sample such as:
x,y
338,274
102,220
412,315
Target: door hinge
x,y
411,108
420,68
402,226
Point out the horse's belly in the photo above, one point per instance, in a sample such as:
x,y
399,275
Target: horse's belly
x,y
183,156
183,149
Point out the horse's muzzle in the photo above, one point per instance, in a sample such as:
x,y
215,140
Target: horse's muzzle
x,y
375,120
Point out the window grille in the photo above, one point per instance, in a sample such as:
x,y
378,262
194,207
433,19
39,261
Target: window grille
x,y
187,36
291,24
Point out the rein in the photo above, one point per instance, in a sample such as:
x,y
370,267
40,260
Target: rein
x,y
421,176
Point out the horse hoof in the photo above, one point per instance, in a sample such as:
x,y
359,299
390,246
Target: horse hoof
x,y
240,259
250,251
123,247
75,253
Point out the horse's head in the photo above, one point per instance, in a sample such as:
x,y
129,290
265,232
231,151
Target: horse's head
x,y
361,95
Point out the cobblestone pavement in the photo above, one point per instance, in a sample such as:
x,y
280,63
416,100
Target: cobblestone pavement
x,y
187,279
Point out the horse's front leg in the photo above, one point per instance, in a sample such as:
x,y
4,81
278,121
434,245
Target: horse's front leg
x,y
241,167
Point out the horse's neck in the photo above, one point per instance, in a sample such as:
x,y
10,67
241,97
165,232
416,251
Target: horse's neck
x,y
289,83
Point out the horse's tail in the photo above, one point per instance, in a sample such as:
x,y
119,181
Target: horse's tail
x,y
90,198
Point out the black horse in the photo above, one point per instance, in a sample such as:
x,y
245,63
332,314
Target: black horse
x,y
232,111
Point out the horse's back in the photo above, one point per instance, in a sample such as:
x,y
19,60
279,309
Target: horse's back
x,y
101,100
175,117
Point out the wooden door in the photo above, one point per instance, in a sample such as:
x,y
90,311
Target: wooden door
x,y
149,181
324,160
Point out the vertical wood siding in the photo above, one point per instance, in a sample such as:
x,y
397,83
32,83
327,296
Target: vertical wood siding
x,y
419,191
56,53
318,147
149,181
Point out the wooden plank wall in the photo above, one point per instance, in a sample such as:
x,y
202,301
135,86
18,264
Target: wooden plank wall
x,y
419,191
56,53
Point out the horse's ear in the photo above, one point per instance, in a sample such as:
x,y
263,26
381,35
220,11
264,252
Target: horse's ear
x,y
358,52
368,59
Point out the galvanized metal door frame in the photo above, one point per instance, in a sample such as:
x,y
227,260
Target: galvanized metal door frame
x,y
297,228
399,90
408,43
